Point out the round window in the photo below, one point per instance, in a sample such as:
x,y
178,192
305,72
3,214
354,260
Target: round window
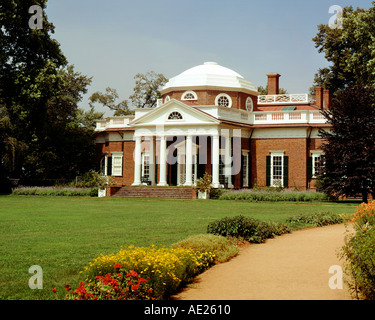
x,y
223,100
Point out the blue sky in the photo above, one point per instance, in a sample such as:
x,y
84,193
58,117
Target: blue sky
x,y
113,40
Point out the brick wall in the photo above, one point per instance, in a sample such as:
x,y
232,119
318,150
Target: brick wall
x,y
207,97
295,149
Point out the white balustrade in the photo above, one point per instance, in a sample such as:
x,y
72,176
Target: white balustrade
x,y
284,98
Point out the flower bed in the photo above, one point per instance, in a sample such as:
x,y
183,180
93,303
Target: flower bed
x,y
272,195
119,285
56,191
165,268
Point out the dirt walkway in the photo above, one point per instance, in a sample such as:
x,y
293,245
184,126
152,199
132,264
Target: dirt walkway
x,y
290,267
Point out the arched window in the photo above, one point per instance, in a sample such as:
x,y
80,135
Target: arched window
x,y
223,100
175,116
189,95
249,104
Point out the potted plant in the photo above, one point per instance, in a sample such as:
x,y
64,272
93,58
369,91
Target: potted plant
x,y
204,186
102,182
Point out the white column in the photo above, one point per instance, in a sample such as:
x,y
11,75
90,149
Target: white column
x,y
228,159
215,160
163,162
189,161
137,161
152,160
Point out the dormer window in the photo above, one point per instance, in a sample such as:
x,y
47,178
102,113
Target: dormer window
x,y
249,104
223,100
175,116
189,95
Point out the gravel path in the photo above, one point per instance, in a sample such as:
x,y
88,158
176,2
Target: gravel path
x,y
289,267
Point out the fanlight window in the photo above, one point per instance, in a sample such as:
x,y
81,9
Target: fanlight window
x,y
175,116
189,95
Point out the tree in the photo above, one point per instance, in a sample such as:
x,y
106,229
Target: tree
x,y
349,150
108,99
350,50
146,90
146,93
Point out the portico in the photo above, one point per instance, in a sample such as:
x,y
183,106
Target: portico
x,y
182,159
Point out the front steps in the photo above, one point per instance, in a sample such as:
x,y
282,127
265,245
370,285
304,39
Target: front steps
x,y
155,192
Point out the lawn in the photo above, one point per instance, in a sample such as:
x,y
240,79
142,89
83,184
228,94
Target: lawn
x,y
63,234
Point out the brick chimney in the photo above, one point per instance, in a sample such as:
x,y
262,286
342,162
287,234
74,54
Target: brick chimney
x,y
327,99
273,83
319,97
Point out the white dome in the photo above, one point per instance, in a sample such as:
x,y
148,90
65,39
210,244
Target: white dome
x,y
210,74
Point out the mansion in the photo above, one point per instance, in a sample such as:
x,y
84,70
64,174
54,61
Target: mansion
x,y
212,120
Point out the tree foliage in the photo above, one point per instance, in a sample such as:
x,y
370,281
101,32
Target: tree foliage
x,y
349,167
145,94
43,133
350,50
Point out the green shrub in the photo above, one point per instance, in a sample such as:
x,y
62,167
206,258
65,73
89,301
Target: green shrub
x,y
93,192
248,229
216,193
359,253
223,248
319,219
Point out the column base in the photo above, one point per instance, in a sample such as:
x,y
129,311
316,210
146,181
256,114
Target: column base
x,y
162,184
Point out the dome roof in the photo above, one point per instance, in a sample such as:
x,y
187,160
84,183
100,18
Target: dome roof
x,y
209,74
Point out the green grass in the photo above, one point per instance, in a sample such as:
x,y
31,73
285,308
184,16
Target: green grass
x,y
63,234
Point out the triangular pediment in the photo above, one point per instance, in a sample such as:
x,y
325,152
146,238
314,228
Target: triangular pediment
x,y
174,113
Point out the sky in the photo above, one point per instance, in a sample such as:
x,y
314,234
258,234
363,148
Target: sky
x,y
113,40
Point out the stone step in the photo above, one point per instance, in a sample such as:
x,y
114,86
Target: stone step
x,y
156,192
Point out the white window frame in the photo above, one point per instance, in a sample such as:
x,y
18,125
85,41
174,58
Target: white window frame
x,y
117,163
245,173
274,181
166,99
315,155
145,155
226,96
249,104
195,97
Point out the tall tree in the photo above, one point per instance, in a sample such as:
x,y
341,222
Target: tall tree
x,y
350,50
46,135
349,167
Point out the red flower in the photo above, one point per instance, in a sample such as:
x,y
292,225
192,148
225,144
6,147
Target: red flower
x,y
135,287
68,287
54,290
118,266
133,273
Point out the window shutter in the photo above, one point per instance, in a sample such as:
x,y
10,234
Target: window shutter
x,y
309,167
117,165
286,172
268,171
109,166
